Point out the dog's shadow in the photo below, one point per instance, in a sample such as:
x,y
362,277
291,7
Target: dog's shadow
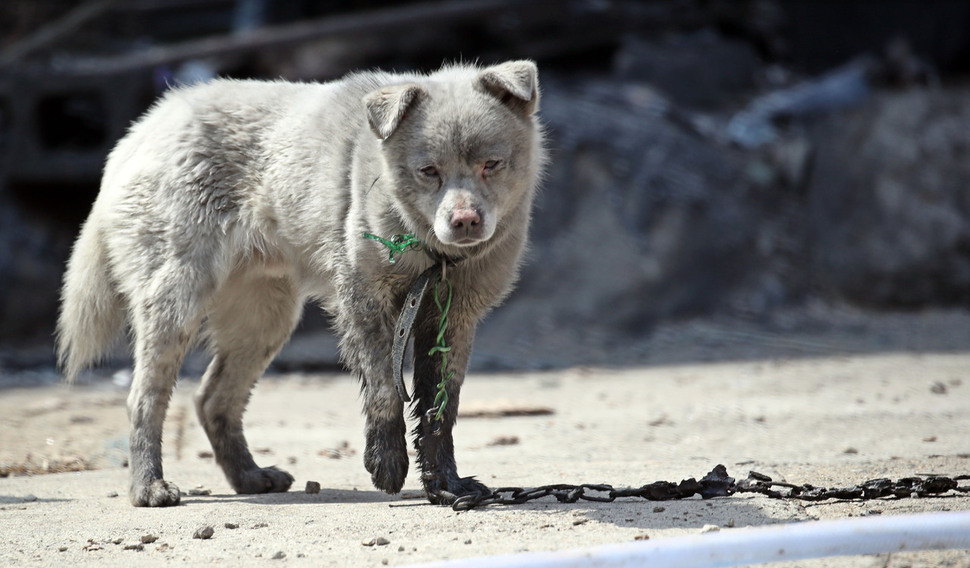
x,y
296,497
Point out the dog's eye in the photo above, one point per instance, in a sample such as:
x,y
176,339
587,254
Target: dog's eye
x,y
490,166
429,171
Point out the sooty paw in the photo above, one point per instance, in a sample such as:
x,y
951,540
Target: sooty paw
x,y
453,487
387,469
155,493
262,480
386,456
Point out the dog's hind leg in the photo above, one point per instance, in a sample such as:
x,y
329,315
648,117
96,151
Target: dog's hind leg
x,y
252,319
165,321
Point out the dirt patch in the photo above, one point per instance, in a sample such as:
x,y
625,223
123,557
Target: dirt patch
x,y
32,466
72,428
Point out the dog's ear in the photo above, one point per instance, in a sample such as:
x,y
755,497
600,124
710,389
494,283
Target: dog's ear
x,y
515,83
387,106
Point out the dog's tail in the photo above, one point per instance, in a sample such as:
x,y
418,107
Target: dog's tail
x,y
92,310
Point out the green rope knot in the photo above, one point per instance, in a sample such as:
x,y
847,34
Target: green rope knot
x,y
399,244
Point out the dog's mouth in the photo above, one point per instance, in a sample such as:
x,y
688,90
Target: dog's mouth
x,y
467,242
461,247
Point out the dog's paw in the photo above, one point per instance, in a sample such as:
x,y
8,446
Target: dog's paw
x,y
156,493
387,469
386,457
448,492
262,480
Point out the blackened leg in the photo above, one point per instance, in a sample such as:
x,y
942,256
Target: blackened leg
x,y
433,437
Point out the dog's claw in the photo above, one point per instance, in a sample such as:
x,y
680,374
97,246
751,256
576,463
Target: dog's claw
x,y
263,480
443,497
456,489
156,493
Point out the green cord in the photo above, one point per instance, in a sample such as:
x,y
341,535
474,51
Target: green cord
x,y
442,347
399,244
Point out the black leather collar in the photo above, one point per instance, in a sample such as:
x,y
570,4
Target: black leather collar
x,y
409,313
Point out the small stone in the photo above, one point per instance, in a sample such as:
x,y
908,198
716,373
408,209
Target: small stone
x,y
117,541
850,451
205,454
710,528
938,388
642,537
62,549
30,498
162,547
260,525
279,555
139,547
385,561
468,541
196,491
659,509
368,542
730,523
929,439
312,487
148,539
580,522
231,526
112,494
400,549
204,533
381,541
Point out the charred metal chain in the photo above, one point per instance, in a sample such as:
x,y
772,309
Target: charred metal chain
x,y
718,483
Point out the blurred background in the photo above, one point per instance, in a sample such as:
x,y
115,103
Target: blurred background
x,y
729,179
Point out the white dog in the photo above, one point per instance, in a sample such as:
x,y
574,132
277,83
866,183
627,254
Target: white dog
x,y
230,204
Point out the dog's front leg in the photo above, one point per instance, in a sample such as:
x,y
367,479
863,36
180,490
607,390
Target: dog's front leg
x,y
433,436
366,348
386,452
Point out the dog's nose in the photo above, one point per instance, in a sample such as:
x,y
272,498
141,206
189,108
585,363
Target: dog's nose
x,y
465,220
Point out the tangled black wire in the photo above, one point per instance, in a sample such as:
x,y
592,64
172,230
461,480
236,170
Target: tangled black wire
x,y
718,483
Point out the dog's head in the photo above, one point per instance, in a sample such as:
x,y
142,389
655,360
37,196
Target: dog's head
x,y
462,149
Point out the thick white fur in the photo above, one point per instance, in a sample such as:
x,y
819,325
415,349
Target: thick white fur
x,y
231,203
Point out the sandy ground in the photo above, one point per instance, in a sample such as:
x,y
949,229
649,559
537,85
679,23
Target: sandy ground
x,y
825,421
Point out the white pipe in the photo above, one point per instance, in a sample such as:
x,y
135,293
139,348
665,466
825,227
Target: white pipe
x,y
811,539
